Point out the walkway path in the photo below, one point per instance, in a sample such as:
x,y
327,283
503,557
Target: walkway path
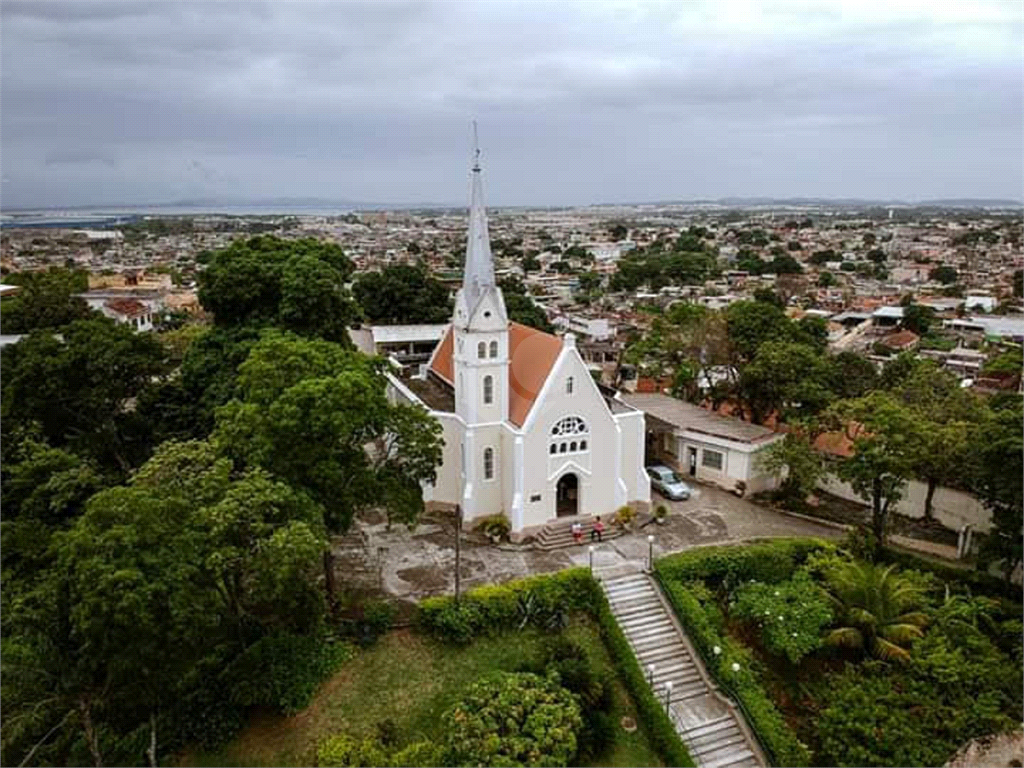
x,y
415,564
710,726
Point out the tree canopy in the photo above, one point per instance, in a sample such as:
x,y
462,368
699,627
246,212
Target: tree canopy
x,y
293,284
403,294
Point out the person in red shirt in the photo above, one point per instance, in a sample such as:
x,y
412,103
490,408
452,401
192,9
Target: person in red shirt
x,y
597,530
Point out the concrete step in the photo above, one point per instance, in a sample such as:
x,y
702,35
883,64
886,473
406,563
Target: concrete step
x,y
627,613
681,691
623,608
632,578
642,627
706,726
640,634
674,665
655,641
618,593
678,677
734,758
714,751
658,656
703,742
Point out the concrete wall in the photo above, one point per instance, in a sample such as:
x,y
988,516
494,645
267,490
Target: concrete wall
x,y
952,508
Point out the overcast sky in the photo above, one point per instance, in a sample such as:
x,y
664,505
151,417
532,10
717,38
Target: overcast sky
x,y
139,102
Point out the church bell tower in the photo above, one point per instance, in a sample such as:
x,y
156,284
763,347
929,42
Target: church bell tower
x,y
480,323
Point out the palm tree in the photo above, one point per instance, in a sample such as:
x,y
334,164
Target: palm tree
x,y
875,610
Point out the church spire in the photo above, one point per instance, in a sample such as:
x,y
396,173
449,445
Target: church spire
x,y
479,270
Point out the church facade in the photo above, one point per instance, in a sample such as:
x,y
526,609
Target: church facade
x,y
527,432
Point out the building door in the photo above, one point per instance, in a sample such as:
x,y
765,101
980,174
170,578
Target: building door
x,y
567,495
692,453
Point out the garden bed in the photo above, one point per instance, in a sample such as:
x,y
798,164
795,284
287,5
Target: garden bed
x,y
759,614
394,696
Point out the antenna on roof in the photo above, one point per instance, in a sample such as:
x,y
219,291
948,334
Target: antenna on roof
x,y
476,150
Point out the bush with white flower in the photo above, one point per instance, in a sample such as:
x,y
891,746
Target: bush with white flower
x,y
791,614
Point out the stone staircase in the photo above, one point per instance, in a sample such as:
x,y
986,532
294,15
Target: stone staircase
x,y
559,533
706,721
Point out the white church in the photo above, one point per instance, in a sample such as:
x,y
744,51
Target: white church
x,y
527,432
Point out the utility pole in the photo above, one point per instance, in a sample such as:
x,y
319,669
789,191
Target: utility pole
x,y
458,549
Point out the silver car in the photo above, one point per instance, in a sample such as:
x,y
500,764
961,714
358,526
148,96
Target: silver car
x,y
668,483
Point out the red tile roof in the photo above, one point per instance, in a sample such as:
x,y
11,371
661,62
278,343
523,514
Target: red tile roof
x,y
127,307
532,354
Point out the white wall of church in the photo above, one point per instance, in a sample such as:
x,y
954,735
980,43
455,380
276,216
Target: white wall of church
x,y
632,464
596,468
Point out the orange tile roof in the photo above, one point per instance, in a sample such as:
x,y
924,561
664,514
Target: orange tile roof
x,y
532,354
127,307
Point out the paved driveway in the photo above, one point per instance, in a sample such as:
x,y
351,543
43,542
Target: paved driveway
x,y
414,564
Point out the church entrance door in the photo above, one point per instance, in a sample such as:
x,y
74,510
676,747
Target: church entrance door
x,y
567,495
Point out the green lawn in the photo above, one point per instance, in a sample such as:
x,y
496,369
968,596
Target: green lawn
x,y
411,680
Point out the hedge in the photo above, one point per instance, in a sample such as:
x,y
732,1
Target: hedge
x,y
492,609
769,562
504,607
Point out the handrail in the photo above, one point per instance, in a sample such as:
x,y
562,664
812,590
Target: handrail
x,y
711,665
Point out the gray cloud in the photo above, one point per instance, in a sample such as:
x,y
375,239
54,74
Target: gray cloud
x,y
577,102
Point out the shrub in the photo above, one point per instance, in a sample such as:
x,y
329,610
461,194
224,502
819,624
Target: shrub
x,y
343,751
879,715
368,621
513,719
494,525
283,670
661,512
502,607
770,562
424,754
791,614
624,515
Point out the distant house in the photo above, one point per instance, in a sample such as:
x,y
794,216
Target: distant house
x,y
129,312
409,344
704,445
137,308
901,341
887,317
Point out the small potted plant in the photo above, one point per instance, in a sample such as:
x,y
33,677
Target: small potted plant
x,y
624,516
661,514
495,527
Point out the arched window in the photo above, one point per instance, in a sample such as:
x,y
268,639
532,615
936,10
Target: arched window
x,y
481,350
568,386
572,446
488,390
561,448
583,445
494,349
488,463
554,448
570,425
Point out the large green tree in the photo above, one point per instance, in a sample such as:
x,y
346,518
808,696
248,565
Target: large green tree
x,y
188,560
317,415
45,300
997,477
80,386
294,284
403,294
949,416
886,437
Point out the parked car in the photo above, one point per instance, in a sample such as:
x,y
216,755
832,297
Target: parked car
x,y
668,483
